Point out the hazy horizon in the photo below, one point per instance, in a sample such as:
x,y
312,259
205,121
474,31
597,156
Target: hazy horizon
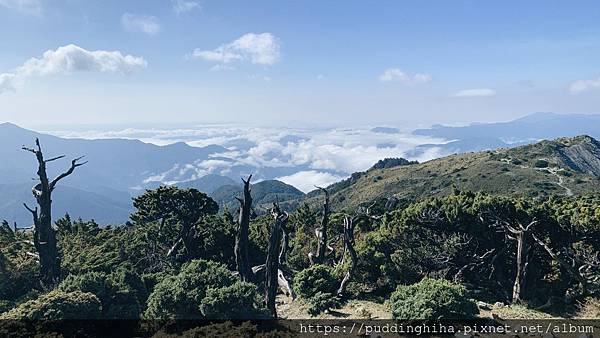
x,y
65,127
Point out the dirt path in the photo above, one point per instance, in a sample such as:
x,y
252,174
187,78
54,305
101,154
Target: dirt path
x,y
353,309
560,183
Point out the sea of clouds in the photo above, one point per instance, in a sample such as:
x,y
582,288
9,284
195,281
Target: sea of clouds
x,y
302,157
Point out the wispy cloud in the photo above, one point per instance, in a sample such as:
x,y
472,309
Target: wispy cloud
x,y
146,24
221,67
69,59
397,75
475,92
33,7
584,85
184,6
262,49
7,82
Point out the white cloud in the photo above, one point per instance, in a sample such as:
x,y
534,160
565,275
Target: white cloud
x,y
326,150
476,92
307,180
33,7
69,59
397,75
140,23
184,6
584,85
262,49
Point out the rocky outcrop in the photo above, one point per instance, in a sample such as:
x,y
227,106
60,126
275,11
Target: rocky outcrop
x,y
582,154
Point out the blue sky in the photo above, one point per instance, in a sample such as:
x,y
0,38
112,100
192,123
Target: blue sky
x,y
404,63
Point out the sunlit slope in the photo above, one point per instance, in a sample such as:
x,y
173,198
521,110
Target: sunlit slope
x,y
564,166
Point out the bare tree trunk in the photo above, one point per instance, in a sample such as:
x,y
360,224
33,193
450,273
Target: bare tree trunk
x,y
284,245
174,248
285,285
272,263
348,247
321,233
521,235
44,236
241,238
522,264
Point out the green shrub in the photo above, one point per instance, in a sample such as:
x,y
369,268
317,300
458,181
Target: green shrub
x,y
58,305
17,277
125,278
91,282
121,292
238,301
315,279
124,305
302,239
151,279
318,285
179,296
541,164
321,302
432,299
565,173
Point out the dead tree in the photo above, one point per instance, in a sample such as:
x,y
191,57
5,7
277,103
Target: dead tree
x,y
285,243
272,263
241,238
285,285
321,232
44,236
522,235
349,223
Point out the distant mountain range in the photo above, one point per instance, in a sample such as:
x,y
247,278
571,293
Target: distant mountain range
x,y
119,169
485,136
124,165
101,189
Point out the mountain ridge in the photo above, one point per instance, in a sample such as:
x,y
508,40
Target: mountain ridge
x,y
563,166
